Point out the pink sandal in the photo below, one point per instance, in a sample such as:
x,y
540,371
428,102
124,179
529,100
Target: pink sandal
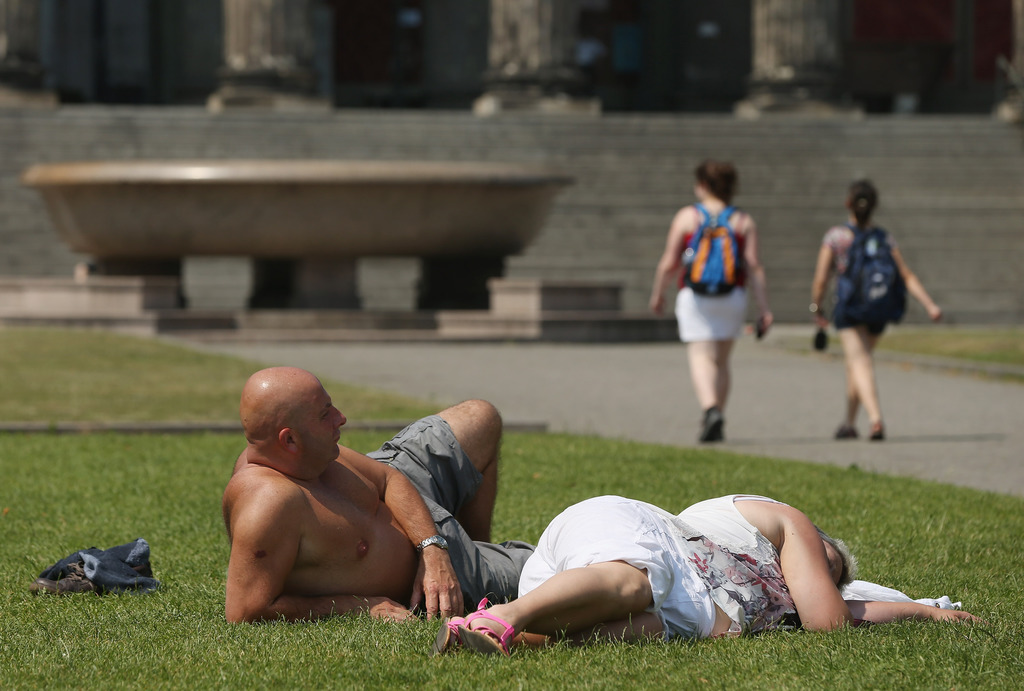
x,y
448,634
484,640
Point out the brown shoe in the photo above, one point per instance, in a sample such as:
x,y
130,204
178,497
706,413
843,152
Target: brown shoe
x,y
74,582
43,585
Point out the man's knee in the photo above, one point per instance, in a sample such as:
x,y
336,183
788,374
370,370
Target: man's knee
x,y
474,413
477,425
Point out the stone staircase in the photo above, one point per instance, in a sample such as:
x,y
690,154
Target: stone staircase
x,y
952,188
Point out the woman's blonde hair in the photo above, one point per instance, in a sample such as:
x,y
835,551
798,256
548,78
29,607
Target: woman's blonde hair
x,y
849,561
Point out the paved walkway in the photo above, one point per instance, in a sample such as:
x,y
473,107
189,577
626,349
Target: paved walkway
x,y
942,425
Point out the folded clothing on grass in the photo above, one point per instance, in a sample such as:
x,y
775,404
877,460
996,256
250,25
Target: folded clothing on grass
x,y
866,590
116,570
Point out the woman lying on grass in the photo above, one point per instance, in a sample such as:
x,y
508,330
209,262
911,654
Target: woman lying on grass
x,y
628,570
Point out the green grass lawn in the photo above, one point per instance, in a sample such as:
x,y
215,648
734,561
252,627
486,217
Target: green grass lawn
x,y
53,375
996,346
62,493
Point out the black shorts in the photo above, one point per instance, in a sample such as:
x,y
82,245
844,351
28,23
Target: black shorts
x,y
874,328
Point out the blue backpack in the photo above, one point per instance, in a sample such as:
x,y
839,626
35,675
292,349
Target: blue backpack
x,y
870,290
712,263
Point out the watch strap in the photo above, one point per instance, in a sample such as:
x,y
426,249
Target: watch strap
x,y
433,540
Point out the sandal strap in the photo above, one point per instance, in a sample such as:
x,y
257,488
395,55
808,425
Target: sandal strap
x,y
503,639
454,623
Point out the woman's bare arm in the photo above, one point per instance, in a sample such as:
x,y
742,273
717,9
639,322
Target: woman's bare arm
x,y
884,612
804,563
755,270
822,269
915,287
671,259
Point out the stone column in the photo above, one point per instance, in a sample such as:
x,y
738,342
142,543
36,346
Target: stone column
x,y
1011,108
268,56
21,70
797,57
532,59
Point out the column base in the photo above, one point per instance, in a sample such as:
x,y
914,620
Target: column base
x,y
13,97
528,101
758,105
250,98
1010,110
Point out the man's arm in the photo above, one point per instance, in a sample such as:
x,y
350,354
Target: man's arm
x,y
437,585
263,553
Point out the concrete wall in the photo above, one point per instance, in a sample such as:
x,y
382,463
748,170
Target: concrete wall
x,y
952,188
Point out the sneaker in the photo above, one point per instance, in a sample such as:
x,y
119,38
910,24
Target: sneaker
x,y
846,431
714,425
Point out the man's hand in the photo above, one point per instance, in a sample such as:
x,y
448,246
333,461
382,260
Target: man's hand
x,y
437,587
386,608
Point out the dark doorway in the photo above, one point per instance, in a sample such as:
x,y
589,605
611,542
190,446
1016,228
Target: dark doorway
x,y
378,52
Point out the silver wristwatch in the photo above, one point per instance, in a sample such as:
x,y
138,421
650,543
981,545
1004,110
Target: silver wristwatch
x,y
432,540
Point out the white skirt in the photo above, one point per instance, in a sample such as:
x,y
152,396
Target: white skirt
x,y
612,528
704,318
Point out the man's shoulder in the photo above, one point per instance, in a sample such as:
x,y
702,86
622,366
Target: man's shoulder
x,y
253,483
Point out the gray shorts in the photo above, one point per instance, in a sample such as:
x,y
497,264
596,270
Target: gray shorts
x,y
428,453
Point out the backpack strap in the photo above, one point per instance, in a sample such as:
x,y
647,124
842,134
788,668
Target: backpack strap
x,y
705,222
722,219
710,220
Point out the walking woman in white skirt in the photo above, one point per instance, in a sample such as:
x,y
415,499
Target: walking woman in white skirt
x,y
711,313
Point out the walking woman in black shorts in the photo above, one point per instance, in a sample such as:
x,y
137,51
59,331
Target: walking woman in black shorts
x,y
860,338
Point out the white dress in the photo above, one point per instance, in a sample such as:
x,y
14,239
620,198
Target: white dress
x,y
688,574
614,528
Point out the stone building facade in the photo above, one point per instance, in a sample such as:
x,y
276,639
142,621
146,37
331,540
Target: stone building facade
x,y
590,55
287,78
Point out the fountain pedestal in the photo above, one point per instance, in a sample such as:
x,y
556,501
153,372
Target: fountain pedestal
x,y
296,229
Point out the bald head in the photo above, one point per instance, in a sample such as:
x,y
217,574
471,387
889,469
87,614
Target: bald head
x,y
271,399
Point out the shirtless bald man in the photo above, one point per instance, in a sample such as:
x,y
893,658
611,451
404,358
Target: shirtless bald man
x,y
317,529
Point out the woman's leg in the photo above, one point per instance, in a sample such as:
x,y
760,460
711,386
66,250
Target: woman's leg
x,y
723,382
858,345
577,600
852,397
710,372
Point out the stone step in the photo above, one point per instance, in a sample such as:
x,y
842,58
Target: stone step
x,y
92,295
326,319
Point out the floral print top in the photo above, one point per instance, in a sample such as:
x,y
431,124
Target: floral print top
x,y
748,585
749,589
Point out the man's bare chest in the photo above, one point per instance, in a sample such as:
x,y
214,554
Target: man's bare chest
x,y
345,516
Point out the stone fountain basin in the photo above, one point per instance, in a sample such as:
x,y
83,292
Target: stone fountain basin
x,y
295,208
